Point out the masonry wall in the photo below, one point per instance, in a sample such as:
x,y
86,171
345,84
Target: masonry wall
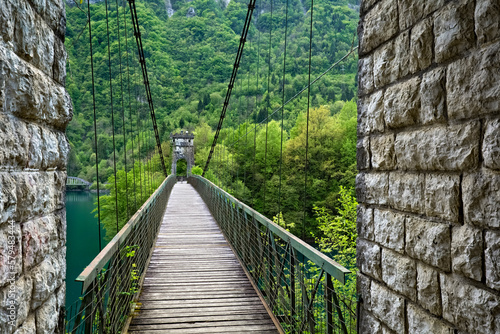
x,y
429,160
34,112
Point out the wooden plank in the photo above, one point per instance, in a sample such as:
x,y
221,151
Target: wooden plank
x,y
201,318
204,324
194,282
221,329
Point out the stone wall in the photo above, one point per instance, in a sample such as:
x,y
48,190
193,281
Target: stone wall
x,y
429,161
34,112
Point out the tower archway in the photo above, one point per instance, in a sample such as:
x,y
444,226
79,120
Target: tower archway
x,y
182,148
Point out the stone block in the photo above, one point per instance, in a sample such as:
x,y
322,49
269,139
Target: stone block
x,y
454,29
31,95
433,96
10,252
429,242
471,309
39,193
492,256
370,325
439,148
372,188
401,66
388,307
384,61
63,149
28,326
47,277
365,76
382,149
8,197
8,20
380,24
421,46
39,238
428,292
55,16
411,11
363,153
60,219
365,5
364,223
399,273
50,149
371,114
35,155
15,301
368,259
473,84
47,316
389,229
402,104
481,198
363,284
467,251
406,191
491,144
487,19
14,142
25,26
60,56
442,196
421,322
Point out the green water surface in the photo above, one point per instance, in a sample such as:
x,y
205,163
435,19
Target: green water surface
x,y
82,239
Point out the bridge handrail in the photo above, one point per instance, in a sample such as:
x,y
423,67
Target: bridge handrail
x,y
305,289
90,272
329,265
110,283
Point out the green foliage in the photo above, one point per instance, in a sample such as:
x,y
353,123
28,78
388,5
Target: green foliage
x,y
197,170
132,190
338,236
189,63
338,233
181,167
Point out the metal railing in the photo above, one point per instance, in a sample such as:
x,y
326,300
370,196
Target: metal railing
x,y
303,287
112,281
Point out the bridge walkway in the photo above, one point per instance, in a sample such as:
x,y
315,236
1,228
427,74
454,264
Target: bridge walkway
x,y
194,282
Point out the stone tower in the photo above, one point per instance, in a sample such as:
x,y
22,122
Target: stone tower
x,y
34,112
182,148
429,161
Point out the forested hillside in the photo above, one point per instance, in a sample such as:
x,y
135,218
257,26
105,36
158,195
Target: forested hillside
x,y
190,61
190,48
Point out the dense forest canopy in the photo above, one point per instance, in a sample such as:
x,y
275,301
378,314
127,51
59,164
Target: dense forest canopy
x,y
190,47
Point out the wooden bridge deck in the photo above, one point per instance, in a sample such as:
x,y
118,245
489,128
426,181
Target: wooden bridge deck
x,y
194,282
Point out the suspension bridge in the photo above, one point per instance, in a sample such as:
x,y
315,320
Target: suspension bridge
x,y
76,182
192,258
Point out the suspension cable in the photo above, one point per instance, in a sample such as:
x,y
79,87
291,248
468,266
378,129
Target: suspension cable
x,y
95,126
142,60
123,106
306,166
112,114
282,112
304,89
130,104
248,19
266,106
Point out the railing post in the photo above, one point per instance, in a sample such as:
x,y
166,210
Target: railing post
x,y
329,304
89,310
332,296
292,288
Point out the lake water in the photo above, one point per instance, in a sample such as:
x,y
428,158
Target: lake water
x,y
82,239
